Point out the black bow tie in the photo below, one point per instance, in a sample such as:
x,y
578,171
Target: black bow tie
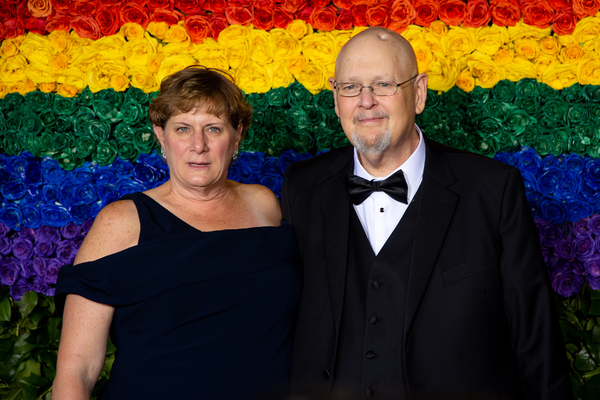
x,y
394,186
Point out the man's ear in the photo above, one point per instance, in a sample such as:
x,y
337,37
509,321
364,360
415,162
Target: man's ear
x,y
335,98
420,93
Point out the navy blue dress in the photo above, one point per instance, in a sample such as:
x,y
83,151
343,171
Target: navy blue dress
x,y
198,315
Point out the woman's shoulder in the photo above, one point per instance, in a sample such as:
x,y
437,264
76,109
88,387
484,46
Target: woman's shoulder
x,y
116,228
262,200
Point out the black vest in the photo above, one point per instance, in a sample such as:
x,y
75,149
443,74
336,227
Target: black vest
x,y
370,357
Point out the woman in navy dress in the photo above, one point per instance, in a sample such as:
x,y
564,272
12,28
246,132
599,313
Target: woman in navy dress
x,y
197,281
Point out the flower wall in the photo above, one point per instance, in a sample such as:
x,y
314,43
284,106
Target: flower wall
x,y
515,80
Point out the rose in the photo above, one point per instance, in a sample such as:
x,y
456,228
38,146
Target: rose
x,y
378,15
452,12
189,7
39,265
298,95
344,20
585,8
320,48
86,27
52,268
9,272
13,28
263,16
477,14
566,284
31,216
402,14
11,215
281,17
505,12
427,12
198,27
594,225
552,210
19,288
458,43
564,22
538,14
323,18
22,248
588,71
584,246
132,12
108,20
442,74
359,14
486,72
54,215
169,16
564,249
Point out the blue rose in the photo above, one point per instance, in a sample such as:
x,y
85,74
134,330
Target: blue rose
x,y
82,174
17,165
251,179
66,193
107,192
507,158
571,186
145,174
104,173
4,175
528,160
13,190
270,166
590,193
250,162
122,167
530,182
52,173
80,212
592,175
550,180
577,209
575,163
54,215
33,172
11,215
552,210
285,159
33,195
31,216
51,194
273,182
126,186
551,161
9,272
85,192
235,172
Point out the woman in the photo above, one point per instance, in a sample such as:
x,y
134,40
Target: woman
x,y
197,280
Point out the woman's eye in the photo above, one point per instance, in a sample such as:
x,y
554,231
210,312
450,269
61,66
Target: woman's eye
x,y
183,129
214,129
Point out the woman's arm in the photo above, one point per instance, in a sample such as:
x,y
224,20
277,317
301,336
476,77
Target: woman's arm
x,y
86,324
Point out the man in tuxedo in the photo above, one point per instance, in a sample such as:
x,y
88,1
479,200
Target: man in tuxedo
x,y
423,275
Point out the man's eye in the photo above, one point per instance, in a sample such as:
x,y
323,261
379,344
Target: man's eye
x,y
383,84
349,87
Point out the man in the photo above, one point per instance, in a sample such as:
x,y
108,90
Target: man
x,y
431,286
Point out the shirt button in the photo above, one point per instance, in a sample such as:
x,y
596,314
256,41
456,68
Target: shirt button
x,y
369,392
373,320
375,285
370,355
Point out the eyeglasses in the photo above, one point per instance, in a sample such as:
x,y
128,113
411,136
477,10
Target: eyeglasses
x,y
381,88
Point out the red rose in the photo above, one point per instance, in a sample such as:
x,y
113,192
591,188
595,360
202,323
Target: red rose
x,y
2,32
478,14
86,27
403,14
239,15
108,20
6,11
585,8
219,22
304,14
61,5
198,27
323,18
319,3
239,3
365,2
344,20
452,12
107,3
293,5
135,13
378,15
538,14
263,18
216,6
427,12
282,18
13,28
58,22
160,5
83,8
189,7
141,3
171,17
343,4
564,22
359,14
505,12
560,4
29,22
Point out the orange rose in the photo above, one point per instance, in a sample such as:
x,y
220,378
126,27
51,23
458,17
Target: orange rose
x,y
198,27
427,12
39,8
359,14
219,22
108,20
189,7
365,2
154,5
282,18
216,6
239,15
293,5
402,15
564,22
323,18
343,4
134,13
61,5
505,12
344,20
263,18
30,22
538,14
170,17
585,8
83,8
478,14
378,15
86,27
58,22
560,4
320,3
452,12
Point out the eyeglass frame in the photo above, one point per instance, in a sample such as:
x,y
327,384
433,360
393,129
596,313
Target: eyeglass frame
x,y
335,86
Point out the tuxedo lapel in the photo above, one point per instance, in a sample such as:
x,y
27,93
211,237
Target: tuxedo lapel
x,y
335,208
436,208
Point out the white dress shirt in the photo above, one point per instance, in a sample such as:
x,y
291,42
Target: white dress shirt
x,y
379,213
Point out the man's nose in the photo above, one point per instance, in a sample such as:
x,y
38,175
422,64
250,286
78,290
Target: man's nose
x,y
367,97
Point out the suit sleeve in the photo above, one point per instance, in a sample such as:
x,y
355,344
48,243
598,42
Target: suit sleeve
x,y
285,195
529,302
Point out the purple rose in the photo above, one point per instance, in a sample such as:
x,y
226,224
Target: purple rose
x,y
567,284
545,254
65,252
70,230
19,288
554,233
38,285
592,265
27,233
3,229
52,268
559,266
594,224
584,245
593,281
22,248
565,248
5,245
87,225
48,234
9,272
44,249
581,226
40,266
27,270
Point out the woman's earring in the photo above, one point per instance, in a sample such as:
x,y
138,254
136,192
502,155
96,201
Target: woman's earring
x,y
235,154
163,153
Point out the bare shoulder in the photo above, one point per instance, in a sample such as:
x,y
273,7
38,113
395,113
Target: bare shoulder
x,y
264,202
116,228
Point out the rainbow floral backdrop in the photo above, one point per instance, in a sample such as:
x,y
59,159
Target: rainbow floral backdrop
x,y
515,80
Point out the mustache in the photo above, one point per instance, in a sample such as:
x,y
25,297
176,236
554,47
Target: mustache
x,y
375,114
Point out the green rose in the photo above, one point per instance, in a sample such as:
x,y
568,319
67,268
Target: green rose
x,y
324,139
473,113
144,139
547,92
340,140
14,120
455,119
578,143
137,96
433,100
32,125
82,120
42,145
517,121
489,126
254,141
588,128
68,160
456,138
577,114
63,123
65,105
127,150
297,117
133,113
324,100
314,115
99,130
278,121
106,152
84,146
107,112
591,93
530,105
278,143
573,93
85,97
427,117
529,135
11,143
504,91
109,96
482,144
123,132
276,97
258,101
593,110
39,101
62,141
593,151
553,114
298,95
555,143
527,88
496,109
437,130
12,101
453,99
302,141
48,118
479,95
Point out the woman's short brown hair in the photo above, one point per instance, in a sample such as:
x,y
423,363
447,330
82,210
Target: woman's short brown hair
x,y
204,88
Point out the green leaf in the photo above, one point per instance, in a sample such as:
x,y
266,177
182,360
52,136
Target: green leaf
x,y
5,309
583,361
28,303
26,368
36,380
10,393
590,324
591,388
596,334
22,346
594,308
54,329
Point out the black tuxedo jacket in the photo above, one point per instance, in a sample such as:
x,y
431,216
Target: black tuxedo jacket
x,y
479,312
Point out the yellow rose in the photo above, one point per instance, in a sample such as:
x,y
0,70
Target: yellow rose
x,y
59,62
13,69
211,55
119,82
489,39
285,46
177,34
174,63
523,31
139,52
298,29
320,48
110,47
66,90
261,44
36,48
504,56
22,87
544,61
154,63
82,58
58,40
176,48
571,54
76,42
424,56
48,87
486,72
559,76
99,76
40,73
234,35
132,31
458,43
72,76
158,29
281,75
10,47
414,33
3,90
465,81
254,78
238,55
313,77
566,40
587,29
434,44
588,71
296,64
526,48
442,74
341,37
142,79
520,68
438,28
549,45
